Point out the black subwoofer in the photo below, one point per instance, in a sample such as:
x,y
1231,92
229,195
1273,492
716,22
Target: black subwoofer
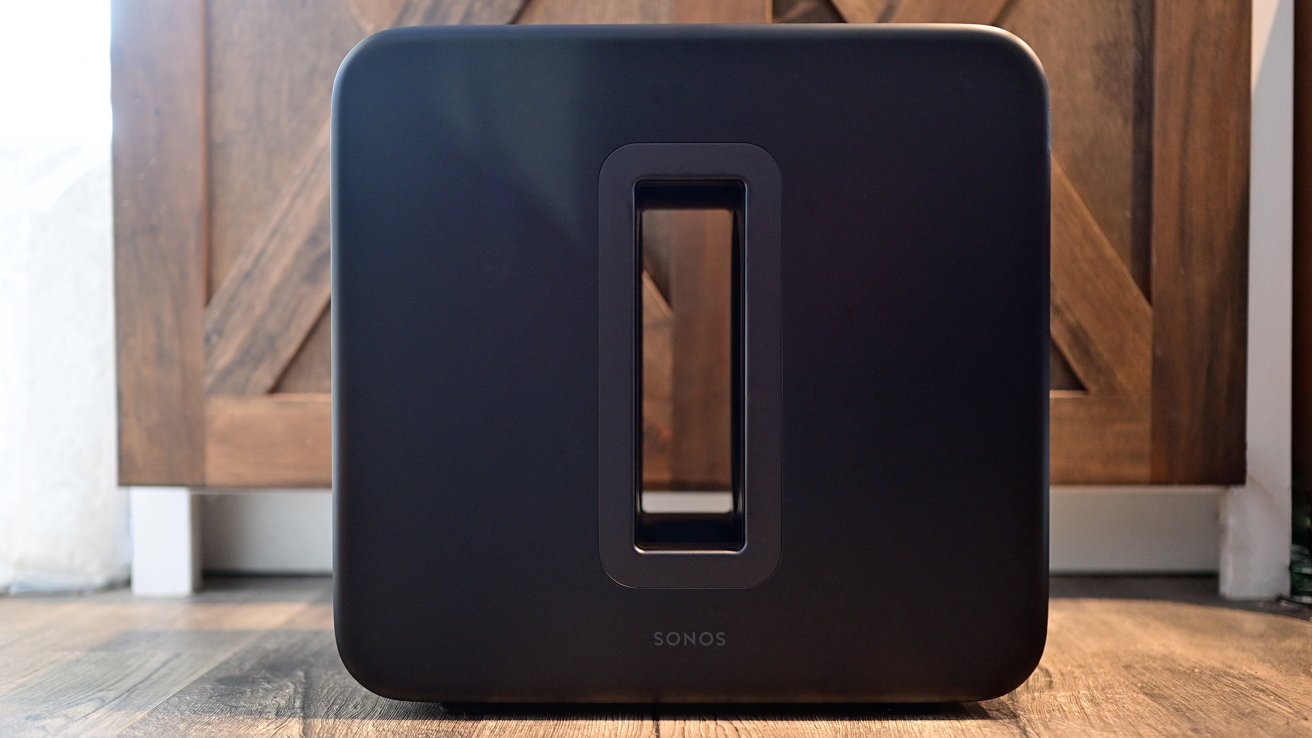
x,y
870,363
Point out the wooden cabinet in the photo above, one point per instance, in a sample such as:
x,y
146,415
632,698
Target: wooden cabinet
x,y
221,221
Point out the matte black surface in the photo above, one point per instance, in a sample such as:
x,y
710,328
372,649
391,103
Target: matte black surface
x,y
912,355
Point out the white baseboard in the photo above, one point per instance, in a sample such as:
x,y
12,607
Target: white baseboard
x,y
1094,530
1143,530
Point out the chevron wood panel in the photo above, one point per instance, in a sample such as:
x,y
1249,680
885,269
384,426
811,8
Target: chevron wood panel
x,y
276,288
221,221
1100,320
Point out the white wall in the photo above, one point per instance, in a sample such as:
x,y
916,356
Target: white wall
x,y
1256,518
63,520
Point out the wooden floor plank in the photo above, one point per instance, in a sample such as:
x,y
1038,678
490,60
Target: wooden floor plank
x,y
256,657
101,662
1149,667
288,681
965,720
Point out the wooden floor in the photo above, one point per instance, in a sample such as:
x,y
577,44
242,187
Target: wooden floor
x,y
256,657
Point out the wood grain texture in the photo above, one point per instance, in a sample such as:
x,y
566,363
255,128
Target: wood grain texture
x,y
375,15
277,288
657,386
1146,656
1098,439
310,371
701,383
920,11
1100,320
159,181
689,252
864,11
1061,375
686,441
292,682
1199,240
591,11
1149,114
722,11
646,11
1097,57
282,440
93,665
266,325
946,11
805,11
460,12
270,68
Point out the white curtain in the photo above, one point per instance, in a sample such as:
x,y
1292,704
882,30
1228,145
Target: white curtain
x,y
63,519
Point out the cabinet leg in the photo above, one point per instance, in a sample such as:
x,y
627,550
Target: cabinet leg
x,y
165,541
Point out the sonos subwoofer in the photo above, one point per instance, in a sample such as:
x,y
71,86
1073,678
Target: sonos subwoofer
x,y
690,364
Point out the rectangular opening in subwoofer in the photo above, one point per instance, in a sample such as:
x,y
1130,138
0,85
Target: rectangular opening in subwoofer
x,y
689,377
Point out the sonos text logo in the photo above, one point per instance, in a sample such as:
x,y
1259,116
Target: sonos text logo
x,y
703,638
